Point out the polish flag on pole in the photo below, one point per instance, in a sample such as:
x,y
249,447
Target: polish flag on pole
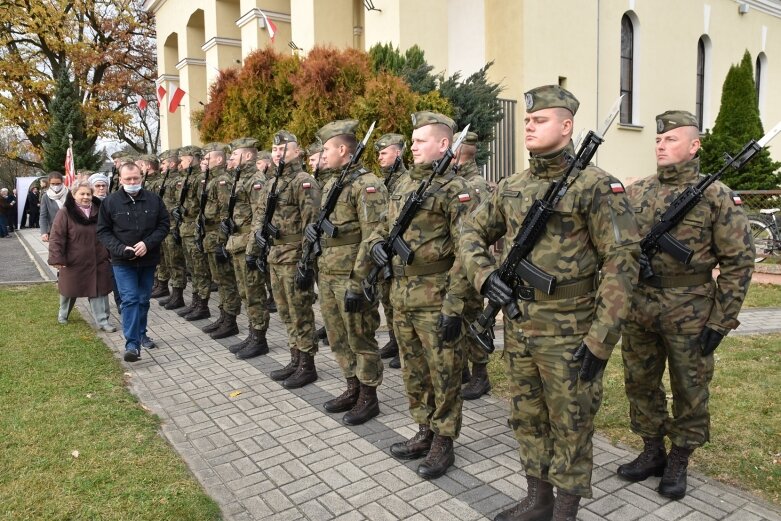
x,y
70,167
176,99
270,26
142,104
160,95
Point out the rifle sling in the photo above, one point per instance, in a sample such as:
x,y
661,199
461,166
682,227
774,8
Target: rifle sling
x,y
677,281
430,268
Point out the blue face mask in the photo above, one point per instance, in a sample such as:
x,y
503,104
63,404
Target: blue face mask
x,y
132,189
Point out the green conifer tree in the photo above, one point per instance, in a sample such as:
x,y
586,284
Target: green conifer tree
x,y
738,122
67,119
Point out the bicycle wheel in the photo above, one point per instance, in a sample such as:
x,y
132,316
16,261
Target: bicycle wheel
x,y
763,238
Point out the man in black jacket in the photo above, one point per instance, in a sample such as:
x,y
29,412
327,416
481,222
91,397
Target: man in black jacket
x,y
132,224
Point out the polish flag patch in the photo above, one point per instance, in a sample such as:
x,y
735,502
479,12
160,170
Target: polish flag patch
x,y
371,190
306,185
256,186
222,183
617,188
179,185
736,199
464,198
203,181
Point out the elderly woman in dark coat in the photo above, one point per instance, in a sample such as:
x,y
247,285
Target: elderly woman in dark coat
x,y
82,261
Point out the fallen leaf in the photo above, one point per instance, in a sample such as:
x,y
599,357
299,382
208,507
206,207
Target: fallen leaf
x,y
89,395
128,375
234,394
75,454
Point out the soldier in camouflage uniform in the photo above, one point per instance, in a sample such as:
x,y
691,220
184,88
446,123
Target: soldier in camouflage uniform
x,y
428,298
478,383
149,164
263,163
350,320
251,282
299,199
680,314
174,253
390,156
218,193
196,260
314,153
558,347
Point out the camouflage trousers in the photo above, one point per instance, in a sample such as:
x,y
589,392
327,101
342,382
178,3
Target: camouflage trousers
x,y
174,260
387,308
161,272
252,289
645,354
551,410
472,350
223,274
350,335
198,262
431,370
294,307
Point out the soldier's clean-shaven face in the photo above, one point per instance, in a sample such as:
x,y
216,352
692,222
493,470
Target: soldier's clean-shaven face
x,y
429,143
170,164
547,130
278,150
185,162
387,156
204,164
334,154
215,159
235,157
677,145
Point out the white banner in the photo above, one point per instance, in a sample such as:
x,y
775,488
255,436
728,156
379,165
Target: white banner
x,y
22,187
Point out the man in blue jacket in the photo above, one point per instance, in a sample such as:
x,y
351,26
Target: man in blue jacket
x,y
132,224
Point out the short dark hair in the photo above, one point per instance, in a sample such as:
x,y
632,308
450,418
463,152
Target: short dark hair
x,y
55,175
125,166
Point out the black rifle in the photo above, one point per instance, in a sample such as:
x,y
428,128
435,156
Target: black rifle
x,y
114,183
178,212
395,244
323,224
161,190
265,236
200,222
143,178
395,168
516,269
659,238
227,225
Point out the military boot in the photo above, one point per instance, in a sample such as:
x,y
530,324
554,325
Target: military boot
x,y
306,373
176,300
673,483
235,348
536,506
209,328
189,309
282,374
478,384
161,290
395,363
366,408
200,312
565,508
345,401
321,336
256,347
439,459
465,374
415,447
229,327
650,462
390,349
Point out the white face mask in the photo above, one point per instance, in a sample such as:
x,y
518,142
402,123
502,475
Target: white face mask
x,y
57,188
132,189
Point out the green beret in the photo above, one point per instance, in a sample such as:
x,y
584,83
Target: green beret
x,y
424,117
387,140
339,127
314,148
117,155
172,154
470,139
190,151
671,119
283,136
126,159
150,158
244,142
214,147
550,96
264,154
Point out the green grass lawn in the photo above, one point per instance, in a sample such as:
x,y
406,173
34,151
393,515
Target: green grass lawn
x,y
763,296
62,391
745,446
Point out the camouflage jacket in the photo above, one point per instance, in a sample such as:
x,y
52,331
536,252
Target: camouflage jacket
x,y
299,199
248,191
717,231
191,182
359,209
471,174
152,182
592,230
433,237
171,195
391,183
218,188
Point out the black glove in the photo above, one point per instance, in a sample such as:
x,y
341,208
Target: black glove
x,y
176,213
227,226
354,302
379,255
310,232
449,327
495,290
304,278
252,262
221,254
260,240
591,365
709,340
646,271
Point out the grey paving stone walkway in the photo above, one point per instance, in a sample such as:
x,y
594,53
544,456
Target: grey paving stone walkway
x,y
264,452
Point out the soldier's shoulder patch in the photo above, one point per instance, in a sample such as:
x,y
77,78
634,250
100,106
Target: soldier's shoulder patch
x,y
464,198
179,184
203,181
736,199
306,185
223,182
477,190
371,190
617,187
257,186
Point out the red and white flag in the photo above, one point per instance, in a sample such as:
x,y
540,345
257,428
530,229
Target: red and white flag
x,y
142,104
271,27
70,168
176,99
160,94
